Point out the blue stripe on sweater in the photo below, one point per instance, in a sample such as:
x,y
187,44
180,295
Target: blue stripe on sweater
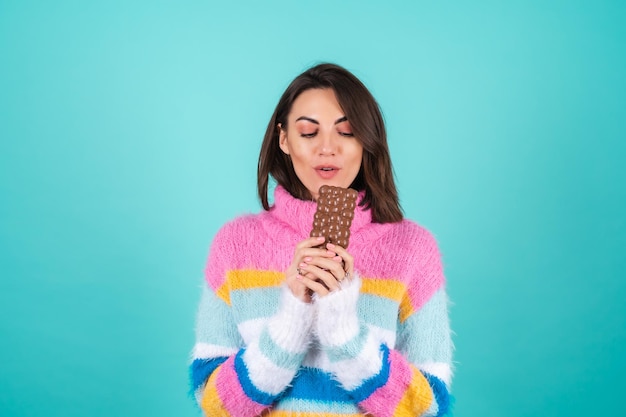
x,y
317,385
441,393
314,384
248,387
201,369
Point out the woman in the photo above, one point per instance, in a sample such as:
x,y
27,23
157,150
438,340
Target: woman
x,y
287,328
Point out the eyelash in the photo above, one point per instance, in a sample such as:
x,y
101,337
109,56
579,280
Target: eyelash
x,y
311,135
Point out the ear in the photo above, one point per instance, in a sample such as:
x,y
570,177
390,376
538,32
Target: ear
x,y
282,139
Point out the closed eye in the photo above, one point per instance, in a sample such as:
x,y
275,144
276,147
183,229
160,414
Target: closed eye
x,y
308,135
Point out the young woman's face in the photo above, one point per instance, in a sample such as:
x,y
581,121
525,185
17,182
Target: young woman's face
x,y
320,142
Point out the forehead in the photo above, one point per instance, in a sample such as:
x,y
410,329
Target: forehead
x,y
319,103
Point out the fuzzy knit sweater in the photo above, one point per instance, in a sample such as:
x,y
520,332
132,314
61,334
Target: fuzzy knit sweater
x,y
380,345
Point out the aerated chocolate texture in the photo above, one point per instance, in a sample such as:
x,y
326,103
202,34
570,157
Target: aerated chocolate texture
x,y
334,214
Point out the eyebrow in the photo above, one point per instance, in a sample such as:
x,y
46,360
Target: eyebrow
x,y
308,119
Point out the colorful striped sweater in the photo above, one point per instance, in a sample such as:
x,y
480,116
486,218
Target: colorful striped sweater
x,y
381,345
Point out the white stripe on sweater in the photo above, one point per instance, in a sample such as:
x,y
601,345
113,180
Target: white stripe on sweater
x,y
263,373
208,351
337,318
441,370
250,330
290,327
351,373
384,336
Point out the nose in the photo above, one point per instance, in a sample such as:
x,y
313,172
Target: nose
x,y
328,144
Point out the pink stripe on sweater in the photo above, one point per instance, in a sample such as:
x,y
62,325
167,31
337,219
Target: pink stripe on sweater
x,y
239,245
236,402
267,241
383,401
429,270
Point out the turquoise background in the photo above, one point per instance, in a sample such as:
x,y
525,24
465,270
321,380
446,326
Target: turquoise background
x,y
122,122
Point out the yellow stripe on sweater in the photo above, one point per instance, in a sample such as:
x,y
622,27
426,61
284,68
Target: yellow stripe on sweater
x,y
389,288
245,279
210,402
406,309
417,398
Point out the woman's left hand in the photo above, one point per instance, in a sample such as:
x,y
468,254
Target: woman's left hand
x,y
323,275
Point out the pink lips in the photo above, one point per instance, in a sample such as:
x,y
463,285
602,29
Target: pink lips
x,y
326,171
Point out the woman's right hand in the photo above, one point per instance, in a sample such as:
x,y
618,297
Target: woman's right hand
x,y
305,250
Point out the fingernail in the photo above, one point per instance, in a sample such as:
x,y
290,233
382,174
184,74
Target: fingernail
x,y
308,259
330,246
302,265
320,238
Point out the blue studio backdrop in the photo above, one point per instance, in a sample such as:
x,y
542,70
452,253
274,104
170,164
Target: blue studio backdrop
x,y
130,131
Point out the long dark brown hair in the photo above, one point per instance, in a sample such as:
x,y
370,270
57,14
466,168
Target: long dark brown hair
x,y
376,174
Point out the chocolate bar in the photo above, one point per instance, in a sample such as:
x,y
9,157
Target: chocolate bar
x,y
334,214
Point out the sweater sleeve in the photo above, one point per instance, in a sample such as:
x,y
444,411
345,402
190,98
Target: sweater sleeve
x,y
411,379
229,376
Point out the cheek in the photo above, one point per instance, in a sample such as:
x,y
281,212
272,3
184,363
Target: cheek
x,y
299,156
298,152
357,153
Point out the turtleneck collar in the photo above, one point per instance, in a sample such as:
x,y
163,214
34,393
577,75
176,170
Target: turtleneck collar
x,y
298,214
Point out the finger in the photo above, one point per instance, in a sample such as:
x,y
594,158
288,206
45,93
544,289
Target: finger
x,y
321,275
333,265
315,286
345,255
298,289
310,242
315,252
306,254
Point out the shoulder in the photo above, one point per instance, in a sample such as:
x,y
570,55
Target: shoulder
x,y
416,249
236,230
412,237
226,247
243,232
419,255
